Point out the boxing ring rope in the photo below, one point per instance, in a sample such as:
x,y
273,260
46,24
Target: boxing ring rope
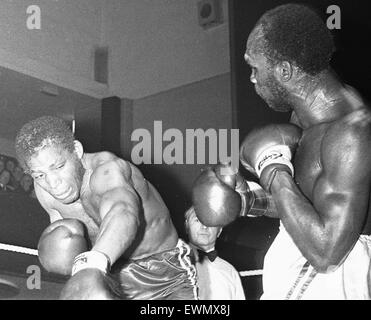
x,y
8,247
251,273
34,252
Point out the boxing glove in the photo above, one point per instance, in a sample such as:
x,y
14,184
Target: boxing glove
x,y
218,199
269,149
91,284
60,243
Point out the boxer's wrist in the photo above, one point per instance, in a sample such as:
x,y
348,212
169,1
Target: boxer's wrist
x,y
274,155
280,180
91,259
269,175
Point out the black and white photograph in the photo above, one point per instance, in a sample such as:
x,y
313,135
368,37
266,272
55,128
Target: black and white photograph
x,y
208,152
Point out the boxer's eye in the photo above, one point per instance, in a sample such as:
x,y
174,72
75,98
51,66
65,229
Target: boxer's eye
x,y
38,176
60,166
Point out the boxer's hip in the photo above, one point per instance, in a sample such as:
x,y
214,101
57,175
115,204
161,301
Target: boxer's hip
x,y
167,275
288,275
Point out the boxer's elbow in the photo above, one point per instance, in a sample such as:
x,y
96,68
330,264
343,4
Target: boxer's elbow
x,y
327,259
124,214
325,265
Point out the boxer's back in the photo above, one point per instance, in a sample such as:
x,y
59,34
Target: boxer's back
x,y
320,142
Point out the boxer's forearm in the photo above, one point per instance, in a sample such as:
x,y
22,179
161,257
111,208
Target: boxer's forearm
x,y
311,234
117,231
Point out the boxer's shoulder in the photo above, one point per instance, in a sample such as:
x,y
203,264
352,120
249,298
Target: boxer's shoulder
x,y
95,160
347,141
354,128
109,171
358,118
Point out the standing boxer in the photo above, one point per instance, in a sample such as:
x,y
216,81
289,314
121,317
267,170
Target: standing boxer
x,y
316,171
109,227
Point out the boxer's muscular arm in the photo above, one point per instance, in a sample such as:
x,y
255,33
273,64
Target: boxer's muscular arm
x,y
326,230
119,208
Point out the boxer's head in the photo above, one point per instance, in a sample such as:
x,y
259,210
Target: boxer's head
x,y
288,43
47,150
199,235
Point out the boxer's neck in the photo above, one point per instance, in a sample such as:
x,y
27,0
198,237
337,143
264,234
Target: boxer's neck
x,y
318,99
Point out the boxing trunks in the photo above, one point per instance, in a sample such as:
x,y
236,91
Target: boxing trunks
x,y
168,275
288,275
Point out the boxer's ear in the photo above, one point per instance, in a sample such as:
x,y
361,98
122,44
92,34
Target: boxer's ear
x,y
284,71
79,149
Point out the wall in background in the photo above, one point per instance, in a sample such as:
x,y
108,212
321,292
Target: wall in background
x,y
153,46
158,45
7,147
205,104
69,31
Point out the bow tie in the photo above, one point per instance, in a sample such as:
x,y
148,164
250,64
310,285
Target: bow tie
x,y
211,255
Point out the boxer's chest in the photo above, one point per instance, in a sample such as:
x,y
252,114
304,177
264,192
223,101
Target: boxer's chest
x,y
307,160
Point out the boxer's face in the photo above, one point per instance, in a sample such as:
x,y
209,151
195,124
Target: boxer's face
x,y
200,235
58,171
267,86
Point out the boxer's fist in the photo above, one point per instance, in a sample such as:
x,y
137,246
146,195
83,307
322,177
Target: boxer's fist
x,y
60,243
91,284
214,198
268,149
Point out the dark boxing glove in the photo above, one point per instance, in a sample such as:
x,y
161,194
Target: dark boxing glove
x,y
218,199
60,243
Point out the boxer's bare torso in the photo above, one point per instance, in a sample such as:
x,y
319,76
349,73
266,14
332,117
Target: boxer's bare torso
x,y
156,232
319,142
325,208
326,145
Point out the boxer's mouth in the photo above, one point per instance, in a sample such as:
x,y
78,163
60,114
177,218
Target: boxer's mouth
x,y
62,195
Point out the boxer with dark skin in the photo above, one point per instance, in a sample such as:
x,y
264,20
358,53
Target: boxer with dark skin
x,y
123,214
325,206
316,171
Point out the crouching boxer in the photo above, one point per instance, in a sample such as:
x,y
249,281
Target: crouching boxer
x,y
110,230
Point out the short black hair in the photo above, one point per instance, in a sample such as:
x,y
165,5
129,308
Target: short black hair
x,y
296,33
41,132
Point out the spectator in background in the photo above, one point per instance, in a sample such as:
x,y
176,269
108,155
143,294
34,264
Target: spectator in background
x,y
217,278
10,165
4,180
2,164
16,177
26,185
